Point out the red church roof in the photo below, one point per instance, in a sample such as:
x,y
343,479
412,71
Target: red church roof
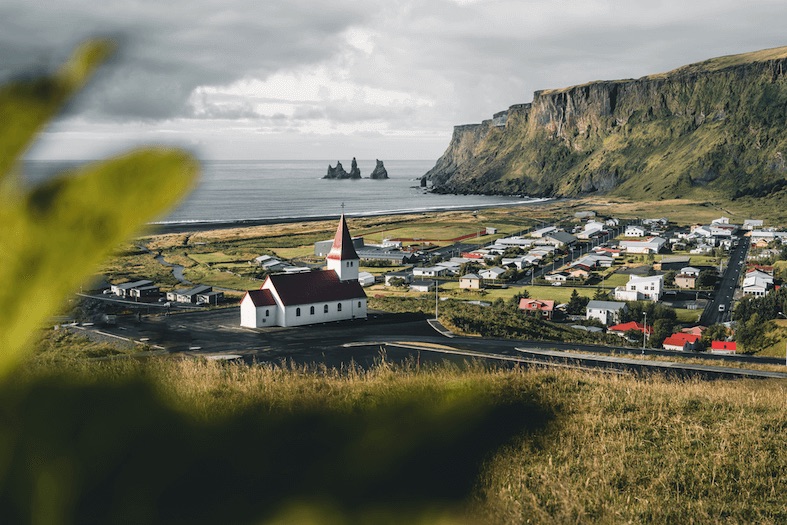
x,y
314,287
342,248
724,345
261,297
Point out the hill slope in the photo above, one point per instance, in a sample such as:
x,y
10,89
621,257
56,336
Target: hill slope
x,y
718,127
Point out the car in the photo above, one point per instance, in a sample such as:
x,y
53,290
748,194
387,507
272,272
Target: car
x,y
722,307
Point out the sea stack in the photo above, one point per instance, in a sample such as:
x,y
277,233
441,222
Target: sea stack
x,y
379,171
355,173
337,172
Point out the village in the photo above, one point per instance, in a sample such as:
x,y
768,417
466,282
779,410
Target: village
x,y
653,283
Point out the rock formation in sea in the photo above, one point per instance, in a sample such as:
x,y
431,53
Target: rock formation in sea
x,y
337,172
379,171
355,173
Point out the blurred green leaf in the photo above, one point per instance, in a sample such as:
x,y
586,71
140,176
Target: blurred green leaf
x,y
55,235
26,106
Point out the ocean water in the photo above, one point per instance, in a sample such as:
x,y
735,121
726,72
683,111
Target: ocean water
x,y
268,189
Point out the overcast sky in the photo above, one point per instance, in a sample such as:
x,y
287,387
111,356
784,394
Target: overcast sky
x,y
309,79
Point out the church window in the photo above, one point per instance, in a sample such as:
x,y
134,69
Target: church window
x,y
267,313
339,307
297,312
311,310
325,309
359,304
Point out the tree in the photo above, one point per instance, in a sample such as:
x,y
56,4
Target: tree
x,y
576,303
669,277
715,332
662,329
600,295
707,278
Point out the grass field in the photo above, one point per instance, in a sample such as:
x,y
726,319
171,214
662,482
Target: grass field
x,y
608,449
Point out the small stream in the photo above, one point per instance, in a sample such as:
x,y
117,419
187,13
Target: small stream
x,y
177,270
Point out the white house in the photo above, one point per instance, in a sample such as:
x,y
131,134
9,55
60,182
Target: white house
x,y
757,283
430,271
296,299
608,312
646,246
492,273
634,230
543,231
124,289
365,278
422,285
641,289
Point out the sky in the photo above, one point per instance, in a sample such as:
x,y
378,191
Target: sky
x,y
308,79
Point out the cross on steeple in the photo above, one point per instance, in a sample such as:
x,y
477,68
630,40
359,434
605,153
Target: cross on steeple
x,y
342,208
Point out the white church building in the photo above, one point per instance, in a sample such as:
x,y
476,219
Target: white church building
x,y
320,296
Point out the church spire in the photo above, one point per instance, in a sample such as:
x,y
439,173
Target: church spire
x,y
343,258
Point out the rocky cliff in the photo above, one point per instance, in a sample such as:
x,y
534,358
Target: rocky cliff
x,y
718,126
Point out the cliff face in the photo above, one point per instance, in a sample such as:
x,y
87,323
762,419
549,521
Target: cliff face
x,y
720,125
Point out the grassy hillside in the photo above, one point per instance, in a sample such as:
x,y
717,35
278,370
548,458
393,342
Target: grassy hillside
x,y
590,449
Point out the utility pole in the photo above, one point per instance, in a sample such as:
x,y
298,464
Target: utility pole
x,y
435,300
644,332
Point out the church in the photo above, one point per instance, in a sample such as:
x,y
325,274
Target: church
x,y
321,296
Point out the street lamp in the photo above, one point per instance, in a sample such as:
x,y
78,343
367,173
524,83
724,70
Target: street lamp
x,y
785,346
435,299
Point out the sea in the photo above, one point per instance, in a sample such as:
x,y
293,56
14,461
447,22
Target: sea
x,y
269,190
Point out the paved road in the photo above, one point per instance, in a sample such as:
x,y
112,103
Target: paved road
x,y
726,288
216,332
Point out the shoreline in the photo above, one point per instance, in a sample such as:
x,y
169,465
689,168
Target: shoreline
x,y
161,228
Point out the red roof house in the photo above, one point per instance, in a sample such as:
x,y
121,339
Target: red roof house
x,y
545,308
621,329
681,341
723,347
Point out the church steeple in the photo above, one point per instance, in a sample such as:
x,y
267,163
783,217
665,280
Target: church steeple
x,y
343,259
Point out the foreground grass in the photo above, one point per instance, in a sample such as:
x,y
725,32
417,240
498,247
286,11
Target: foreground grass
x,y
616,449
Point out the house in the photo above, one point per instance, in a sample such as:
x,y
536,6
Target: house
x,y
757,283
489,230
560,239
608,312
470,282
430,271
591,229
671,262
210,297
145,292
578,272
365,279
296,299
544,309
124,289
641,289
407,277
696,330
723,347
543,231
649,245
422,286
557,278
634,230
686,281
682,342
188,295
492,273
621,329
752,224
452,267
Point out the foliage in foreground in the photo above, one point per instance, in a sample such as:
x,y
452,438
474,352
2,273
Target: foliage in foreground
x,y
226,442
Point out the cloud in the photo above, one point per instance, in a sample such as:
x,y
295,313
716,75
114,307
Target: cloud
x,y
381,68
